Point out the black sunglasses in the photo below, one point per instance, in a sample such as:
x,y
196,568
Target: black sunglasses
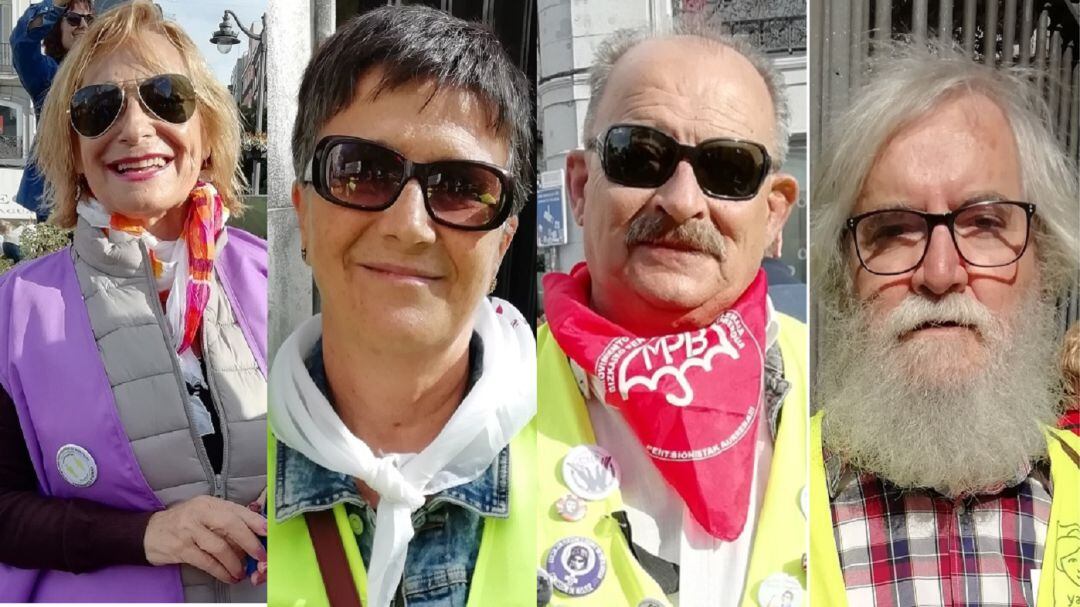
x,y
76,19
643,157
167,97
364,175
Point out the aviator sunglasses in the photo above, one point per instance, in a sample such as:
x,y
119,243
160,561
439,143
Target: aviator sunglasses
x,y
167,97
361,174
643,157
76,19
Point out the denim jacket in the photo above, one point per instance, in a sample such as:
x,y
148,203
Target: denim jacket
x,y
442,554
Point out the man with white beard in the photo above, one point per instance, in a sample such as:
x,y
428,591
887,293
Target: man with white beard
x,y
944,229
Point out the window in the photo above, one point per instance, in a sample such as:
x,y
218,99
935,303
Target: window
x,y
11,139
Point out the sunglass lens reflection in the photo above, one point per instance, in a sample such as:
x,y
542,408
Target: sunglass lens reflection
x,y
464,194
171,97
638,157
95,107
363,175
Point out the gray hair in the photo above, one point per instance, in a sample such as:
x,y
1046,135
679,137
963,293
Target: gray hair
x,y
907,82
619,43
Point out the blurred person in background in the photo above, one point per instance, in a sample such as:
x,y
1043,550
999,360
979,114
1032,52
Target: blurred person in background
x,y
56,25
1070,368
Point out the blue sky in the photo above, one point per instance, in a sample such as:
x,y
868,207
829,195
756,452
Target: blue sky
x,y
201,18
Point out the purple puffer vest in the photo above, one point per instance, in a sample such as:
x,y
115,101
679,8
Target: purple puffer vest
x,y
46,334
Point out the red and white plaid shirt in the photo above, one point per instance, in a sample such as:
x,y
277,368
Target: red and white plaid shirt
x,y
921,549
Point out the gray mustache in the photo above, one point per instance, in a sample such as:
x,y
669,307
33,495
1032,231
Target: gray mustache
x,y
914,311
698,234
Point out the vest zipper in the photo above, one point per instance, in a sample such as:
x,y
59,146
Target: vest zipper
x,y
221,487
222,490
220,592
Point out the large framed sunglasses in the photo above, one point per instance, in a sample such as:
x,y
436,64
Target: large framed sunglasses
x,y
76,19
167,97
639,156
986,234
368,176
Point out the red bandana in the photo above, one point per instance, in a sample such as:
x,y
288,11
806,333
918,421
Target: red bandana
x,y
692,398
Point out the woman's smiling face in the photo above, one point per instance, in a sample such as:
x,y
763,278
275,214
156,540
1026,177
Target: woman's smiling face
x,y
142,167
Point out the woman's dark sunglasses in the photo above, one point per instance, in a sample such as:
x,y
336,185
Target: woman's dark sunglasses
x,y
167,97
76,19
362,174
643,157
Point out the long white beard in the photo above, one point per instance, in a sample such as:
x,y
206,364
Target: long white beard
x,y
919,414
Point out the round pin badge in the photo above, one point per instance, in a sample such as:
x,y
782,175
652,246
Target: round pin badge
x,y
356,523
571,507
780,590
76,465
576,565
590,472
650,603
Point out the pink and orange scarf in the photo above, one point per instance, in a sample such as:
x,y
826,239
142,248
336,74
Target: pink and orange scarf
x,y
182,269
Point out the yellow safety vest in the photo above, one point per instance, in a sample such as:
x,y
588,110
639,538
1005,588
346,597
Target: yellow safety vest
x,y
503,575
563,423
1059,579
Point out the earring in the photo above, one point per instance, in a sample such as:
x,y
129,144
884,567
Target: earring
x,y
303,254
78,189
494,283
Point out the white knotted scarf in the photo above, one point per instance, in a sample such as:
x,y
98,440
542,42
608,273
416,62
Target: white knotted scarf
x,y
496,408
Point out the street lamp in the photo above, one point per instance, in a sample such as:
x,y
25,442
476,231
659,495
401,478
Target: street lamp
x,y
224,38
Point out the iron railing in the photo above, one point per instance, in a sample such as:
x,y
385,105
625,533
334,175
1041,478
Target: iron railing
x,y
775,26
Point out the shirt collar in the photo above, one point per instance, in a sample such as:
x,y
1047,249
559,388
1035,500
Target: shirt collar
x,y
839,474
304,486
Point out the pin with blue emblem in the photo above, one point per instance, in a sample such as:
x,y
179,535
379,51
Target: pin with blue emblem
x,y
76,465
576,565
590,472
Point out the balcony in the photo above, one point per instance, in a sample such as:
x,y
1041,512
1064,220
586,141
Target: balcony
x,y
778,26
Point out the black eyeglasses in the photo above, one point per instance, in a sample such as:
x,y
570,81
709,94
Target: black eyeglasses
x,y
76,19
986,234
167,97
364,175
643,157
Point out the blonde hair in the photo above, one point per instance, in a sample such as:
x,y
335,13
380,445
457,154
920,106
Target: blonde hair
x,y
120,26
1070,361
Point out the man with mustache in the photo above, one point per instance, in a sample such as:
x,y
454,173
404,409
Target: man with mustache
x,y
944,229
664,368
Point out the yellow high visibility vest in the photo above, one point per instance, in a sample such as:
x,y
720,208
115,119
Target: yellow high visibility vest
x,y
1059,579
563,423
504,574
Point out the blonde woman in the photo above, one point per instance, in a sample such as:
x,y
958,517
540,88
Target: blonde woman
x,y
132,364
